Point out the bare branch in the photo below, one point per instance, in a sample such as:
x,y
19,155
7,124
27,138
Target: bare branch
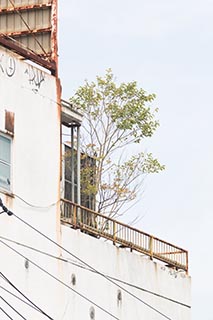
x,y
115,118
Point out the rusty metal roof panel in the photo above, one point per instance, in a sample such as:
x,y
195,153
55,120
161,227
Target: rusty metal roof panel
x,y
32,24
10,22
42,39
6,4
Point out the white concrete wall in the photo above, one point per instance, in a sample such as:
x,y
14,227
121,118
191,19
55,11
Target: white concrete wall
x,y
130,270
35,178
129,267
30,93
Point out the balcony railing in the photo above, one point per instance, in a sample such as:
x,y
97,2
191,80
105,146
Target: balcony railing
x,y
99,225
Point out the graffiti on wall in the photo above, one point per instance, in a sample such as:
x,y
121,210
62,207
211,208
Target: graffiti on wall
x,y
35,76
7,65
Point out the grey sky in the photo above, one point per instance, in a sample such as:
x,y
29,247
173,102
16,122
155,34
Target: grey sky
x,y
167,46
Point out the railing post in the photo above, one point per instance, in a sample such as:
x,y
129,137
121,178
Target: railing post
x,y
187,263
74,216
114,232
151,247
120,233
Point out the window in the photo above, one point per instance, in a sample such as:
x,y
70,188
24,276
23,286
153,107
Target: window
x,y
68,175
5,162
87,198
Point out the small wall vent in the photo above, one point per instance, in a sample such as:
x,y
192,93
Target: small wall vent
x,y
26,264
119,296
73,279
92,313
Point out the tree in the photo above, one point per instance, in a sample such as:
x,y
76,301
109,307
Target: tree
x,y
116,117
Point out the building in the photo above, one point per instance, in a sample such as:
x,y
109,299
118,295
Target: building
x,y
108,269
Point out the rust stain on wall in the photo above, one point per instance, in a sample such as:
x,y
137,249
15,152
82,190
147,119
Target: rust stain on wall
x,y
58,208
9,121
9,201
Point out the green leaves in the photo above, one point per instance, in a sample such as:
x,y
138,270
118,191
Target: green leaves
x,y
124,104
115,117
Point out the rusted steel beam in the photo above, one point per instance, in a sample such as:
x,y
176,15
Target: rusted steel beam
x,y
51,30
27,54
24,8
171,252
54,34
27,32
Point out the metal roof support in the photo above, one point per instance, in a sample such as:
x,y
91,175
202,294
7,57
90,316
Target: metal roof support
x,y
33,27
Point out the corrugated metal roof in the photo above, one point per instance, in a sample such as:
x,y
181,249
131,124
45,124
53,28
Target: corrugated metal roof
x,y
32,23
5,4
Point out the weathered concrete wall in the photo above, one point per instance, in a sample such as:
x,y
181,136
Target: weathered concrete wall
x,y
31,94
128,267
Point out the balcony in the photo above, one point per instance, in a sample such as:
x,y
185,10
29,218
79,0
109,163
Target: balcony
x,y
101,226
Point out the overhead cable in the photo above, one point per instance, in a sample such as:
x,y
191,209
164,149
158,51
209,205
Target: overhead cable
x,y
89,269
27,203
20,299
36,206
20,292
16,311
88,265
6,313
60,281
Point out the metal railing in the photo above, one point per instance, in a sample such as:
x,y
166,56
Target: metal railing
x,y
99,225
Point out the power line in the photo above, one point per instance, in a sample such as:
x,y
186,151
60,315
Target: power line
x,y
89,269
28,203
60,281
98,272
85,263
35,206
5,301
36,250
15,296
19,291
6,313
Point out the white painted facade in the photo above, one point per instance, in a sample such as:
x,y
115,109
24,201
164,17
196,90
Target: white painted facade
x,y
31,94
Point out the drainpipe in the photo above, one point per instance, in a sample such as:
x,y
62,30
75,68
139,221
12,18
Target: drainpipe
x,y
78,167
72,165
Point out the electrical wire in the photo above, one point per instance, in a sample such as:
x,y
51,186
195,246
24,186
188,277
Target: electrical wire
x,y
20,299
88,265
6,313
35,206
60,281
16,311
89,269
19,291
36,250
85,263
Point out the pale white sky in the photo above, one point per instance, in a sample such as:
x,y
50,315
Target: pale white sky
x,y
167,46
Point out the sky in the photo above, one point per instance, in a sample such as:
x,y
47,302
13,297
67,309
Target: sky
x,y
167,47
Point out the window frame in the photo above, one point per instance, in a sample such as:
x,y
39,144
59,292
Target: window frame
x,y
9,164
88,201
